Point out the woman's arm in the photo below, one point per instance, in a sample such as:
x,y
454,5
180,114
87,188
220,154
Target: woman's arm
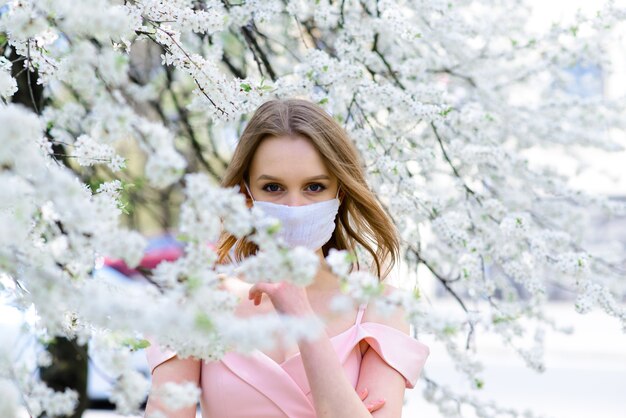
x,y
174,370
382,380
333,394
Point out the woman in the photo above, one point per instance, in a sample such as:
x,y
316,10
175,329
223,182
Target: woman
x,y
298,163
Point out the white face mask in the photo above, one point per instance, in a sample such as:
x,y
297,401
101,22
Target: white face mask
x,y
310,226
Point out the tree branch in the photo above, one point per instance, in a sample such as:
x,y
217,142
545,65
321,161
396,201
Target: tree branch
x,y
384,60
253,45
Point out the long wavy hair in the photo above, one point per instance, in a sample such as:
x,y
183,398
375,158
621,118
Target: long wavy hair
x,y
361,218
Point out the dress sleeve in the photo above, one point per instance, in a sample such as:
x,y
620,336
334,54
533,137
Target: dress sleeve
x,y
155,355
401,351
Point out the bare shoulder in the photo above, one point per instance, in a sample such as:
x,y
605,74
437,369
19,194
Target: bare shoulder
x,y
395,319
234,285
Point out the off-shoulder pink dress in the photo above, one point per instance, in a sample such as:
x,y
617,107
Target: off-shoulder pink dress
x,y
254,385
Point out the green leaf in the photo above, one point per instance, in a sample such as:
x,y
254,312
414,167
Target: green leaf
x,y
120,61
445,112
193,282
183,238
449,330
245,87
94,183
343,287
124,207
499,319
136,344
323,101
273,229
204,322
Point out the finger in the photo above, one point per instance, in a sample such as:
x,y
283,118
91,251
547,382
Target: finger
x,y
261,287
363,393
254,294
253,290
375,406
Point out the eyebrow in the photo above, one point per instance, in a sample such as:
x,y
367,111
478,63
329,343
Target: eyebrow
x,y
268,177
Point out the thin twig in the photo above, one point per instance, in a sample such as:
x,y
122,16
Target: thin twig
x,y
192,62
30,87
447,158
384,60
185,120
253,45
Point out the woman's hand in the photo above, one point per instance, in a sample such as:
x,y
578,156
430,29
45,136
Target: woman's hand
x,y
370,405
287,298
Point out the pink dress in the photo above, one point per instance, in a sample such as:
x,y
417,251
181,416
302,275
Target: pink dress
x,y
240,385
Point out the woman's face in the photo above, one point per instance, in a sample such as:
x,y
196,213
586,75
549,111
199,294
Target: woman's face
x,y
289,171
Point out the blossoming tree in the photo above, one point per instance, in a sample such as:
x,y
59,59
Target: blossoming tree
x,y
114,111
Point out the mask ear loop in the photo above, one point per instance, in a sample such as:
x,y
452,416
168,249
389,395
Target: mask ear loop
x,y
249,193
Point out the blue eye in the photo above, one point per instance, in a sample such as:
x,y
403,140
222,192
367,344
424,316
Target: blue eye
x,y
313,187
320,188
273,187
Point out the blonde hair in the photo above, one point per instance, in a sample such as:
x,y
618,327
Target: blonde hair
x,y
361,218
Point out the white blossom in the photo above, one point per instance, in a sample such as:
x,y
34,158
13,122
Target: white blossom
x,y
8,85
10,399
178,395
88,152
339,261
129,392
